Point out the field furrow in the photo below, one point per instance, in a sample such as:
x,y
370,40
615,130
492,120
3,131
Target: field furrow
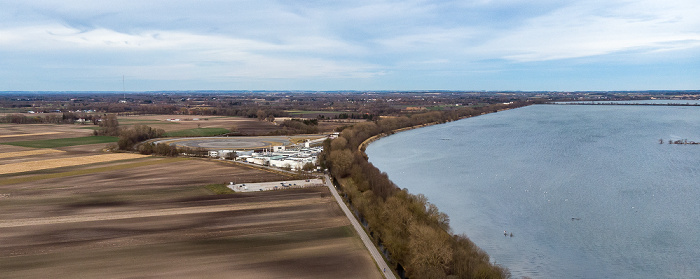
x,y
27,135
28,153
66,162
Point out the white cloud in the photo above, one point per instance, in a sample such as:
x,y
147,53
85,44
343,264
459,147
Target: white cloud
x,y
190,55
428,39
363,39
579,29
55,37
593,28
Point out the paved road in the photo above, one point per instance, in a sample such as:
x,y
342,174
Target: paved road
x,y
360,231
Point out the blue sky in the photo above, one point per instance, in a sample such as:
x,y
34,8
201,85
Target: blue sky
x,y
350,45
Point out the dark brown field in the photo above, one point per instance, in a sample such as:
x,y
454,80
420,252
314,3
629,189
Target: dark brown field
x,y
27,132
154,217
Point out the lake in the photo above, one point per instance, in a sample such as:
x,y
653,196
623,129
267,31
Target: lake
x,y
586,191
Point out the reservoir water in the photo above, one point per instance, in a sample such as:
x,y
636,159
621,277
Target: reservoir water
x,y
587,191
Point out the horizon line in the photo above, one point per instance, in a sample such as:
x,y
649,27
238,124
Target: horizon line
x,y
349,90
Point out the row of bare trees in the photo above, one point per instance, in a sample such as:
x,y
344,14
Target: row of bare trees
x,y
135,138
50,118
297,126
139,133
165,149
414,234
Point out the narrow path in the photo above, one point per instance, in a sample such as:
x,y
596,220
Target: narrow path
x,y
383,267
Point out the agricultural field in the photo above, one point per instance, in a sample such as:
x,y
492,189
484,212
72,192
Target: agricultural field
x,y
28,153
32,132
188,122
187,126
53,143
198,132
146,216
245,126
314,114
61,163
4,111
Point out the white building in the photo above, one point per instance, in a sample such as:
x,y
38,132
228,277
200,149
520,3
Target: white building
x,y
221,153
292,159
292,163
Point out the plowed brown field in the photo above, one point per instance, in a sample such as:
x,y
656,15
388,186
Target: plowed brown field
x,y
58,163
153,217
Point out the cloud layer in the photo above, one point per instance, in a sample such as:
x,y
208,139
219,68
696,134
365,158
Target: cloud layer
x,y
317,45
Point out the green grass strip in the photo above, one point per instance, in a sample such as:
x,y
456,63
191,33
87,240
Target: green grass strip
x,y
219,189
53,143
89,171
121,120
12,110
295,112
198,132
148,123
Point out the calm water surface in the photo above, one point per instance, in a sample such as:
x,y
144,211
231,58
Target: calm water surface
x,y
683,102
587,191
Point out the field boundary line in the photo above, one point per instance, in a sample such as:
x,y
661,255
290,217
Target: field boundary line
x,y
28,153
65,162
91,171
26,135
156,213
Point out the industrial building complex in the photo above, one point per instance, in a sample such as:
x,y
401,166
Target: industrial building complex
x,y
293,157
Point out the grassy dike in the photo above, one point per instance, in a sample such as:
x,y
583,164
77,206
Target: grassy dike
x,y
413,234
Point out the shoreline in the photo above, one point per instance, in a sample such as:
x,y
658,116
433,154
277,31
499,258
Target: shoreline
x,y
372,192
374,138
485,230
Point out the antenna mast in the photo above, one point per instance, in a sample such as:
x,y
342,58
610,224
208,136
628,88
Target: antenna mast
x,y
123,88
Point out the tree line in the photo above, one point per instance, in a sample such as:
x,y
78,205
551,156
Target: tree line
x,y
414,235
297,126
136,137
53,118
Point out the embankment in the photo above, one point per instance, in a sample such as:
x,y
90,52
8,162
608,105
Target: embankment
x,y
413,234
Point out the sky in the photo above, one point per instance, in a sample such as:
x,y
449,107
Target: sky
x,y
528,45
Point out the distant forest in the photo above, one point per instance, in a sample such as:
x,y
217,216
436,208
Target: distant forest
x,y
322,105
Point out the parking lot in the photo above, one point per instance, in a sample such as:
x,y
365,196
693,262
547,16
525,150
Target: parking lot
x,y
277,185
